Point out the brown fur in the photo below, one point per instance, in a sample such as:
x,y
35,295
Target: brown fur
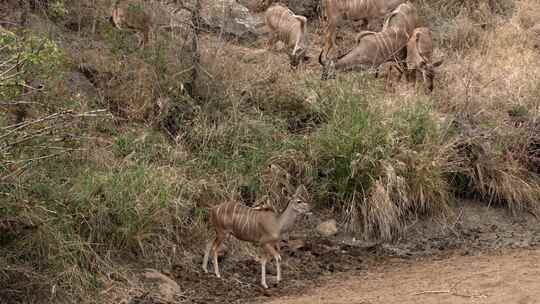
x,y
419,57
404,17
289,28
375,48
261,227
336,10
130,14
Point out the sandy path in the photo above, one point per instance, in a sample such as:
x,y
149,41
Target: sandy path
x,y
510,277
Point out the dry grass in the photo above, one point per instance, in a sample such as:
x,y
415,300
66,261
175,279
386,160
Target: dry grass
x,y
528,13
260,131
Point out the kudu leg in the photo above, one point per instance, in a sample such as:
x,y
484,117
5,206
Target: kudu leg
x,y
278,263
207,254
329,40
428,82
146,38
271,42
263,271
418,77
272,250
215,247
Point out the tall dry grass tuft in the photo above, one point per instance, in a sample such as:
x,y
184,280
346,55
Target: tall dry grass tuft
x,y
527,13
461,33
495,165
283,174
490,98
380,162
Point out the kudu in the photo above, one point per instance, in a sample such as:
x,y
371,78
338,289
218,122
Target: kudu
x,y
374,48
419,57
334,11
289,28
263,227
130,14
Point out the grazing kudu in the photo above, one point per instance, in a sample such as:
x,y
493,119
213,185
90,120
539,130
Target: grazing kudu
x,y
131,14
374,48
289,28
404,17
263,227
336,10
419,57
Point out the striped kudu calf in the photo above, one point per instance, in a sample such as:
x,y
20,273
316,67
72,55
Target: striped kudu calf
x,y
289,28
263,227
334,11
374,48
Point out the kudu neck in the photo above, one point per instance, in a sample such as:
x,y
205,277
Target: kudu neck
x,y
287,218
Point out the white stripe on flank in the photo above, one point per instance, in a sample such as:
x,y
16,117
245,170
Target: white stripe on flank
x,y
246,221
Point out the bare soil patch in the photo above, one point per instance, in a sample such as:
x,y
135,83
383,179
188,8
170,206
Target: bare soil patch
x,y
477,240
505,277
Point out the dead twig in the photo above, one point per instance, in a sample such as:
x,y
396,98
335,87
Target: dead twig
x,y
452,290
453,293
432,292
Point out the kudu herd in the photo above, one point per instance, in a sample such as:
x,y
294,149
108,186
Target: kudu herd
x,y
395,49
403,46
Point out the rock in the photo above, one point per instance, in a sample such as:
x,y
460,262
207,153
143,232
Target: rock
x,y
168,16
167,287
295,245
253,5
231,17
328,228
80,85
307,8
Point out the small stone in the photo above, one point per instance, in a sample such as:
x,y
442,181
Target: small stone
x,y
328,228
295,245
232,18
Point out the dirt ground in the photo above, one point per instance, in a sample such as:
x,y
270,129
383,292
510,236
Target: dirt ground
x,y
507,277
479,255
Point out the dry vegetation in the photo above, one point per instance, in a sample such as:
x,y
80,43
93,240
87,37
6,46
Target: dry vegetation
x,y
109,156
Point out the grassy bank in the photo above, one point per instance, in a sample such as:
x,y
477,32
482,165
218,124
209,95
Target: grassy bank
x,y
108,165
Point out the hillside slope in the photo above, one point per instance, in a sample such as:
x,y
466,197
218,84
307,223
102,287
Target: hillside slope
x,y
110,155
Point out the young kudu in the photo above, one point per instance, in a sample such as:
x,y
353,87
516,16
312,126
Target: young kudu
x,y
263,227
289,28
